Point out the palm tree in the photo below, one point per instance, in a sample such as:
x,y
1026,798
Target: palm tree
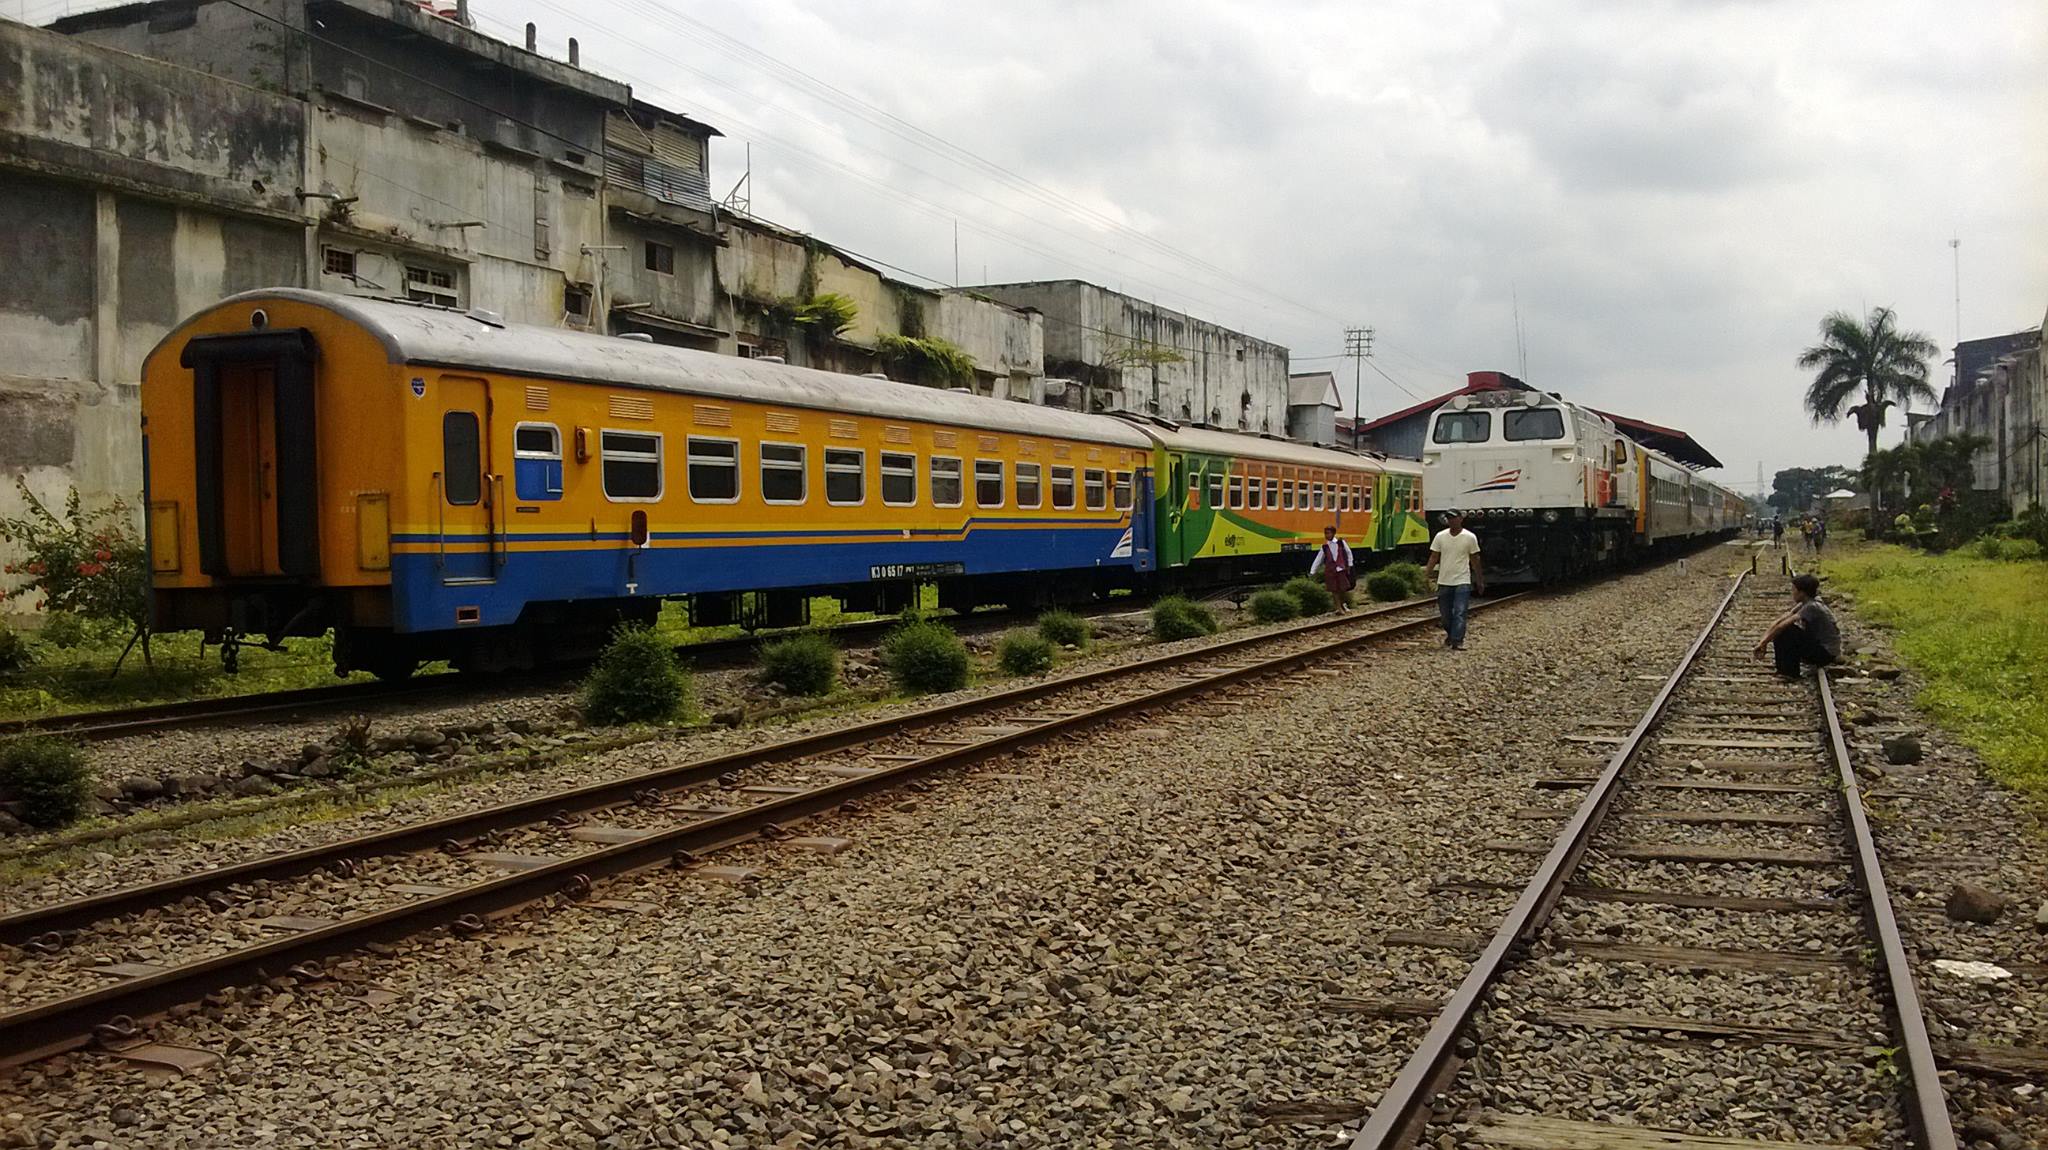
x,y
1873,360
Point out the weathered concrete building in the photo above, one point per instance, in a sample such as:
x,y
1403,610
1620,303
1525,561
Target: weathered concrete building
x,y
1312,404
1999,393
1130,355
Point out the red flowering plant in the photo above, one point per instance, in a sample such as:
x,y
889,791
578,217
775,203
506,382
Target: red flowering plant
x,y
87,562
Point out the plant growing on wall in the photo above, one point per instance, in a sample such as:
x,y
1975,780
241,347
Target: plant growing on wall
x,y
88,563
1132,353
928,360
818,317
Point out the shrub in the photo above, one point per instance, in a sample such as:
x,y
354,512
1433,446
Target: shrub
x,y
1065,629
1174,617
2009,550
48,777
1274,606
1026,653
1387,585
1412,575
62,629
924,657
14,652
1310,595
89,563
636,680
806,664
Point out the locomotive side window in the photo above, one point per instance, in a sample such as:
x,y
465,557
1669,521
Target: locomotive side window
x,y
1123,491
899,479
1063,488
537,462
1464,427
714,470
988,483
1095,488
632,465
782,472
1539,423
462,459
846,476
945,481
1029,486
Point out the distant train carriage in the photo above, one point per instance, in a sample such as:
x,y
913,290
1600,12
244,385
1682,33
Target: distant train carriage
x,y
436,485
1231,504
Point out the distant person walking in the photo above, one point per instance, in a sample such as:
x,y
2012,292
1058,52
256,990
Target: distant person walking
x,y
1805,635
1454,560
1820,535
1333,563
1777,532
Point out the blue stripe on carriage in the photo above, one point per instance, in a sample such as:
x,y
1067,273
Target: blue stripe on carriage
x,y
421,600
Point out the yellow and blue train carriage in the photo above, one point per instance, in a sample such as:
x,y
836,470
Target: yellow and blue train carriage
x,y
433,484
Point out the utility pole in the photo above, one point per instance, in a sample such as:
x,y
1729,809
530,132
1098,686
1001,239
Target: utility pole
x,y
1955,247
1358,348
956,252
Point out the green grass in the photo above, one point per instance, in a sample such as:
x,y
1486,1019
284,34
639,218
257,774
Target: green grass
x,y
1977,632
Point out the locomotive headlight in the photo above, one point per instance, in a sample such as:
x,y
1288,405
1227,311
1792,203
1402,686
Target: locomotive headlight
x,y
1550,516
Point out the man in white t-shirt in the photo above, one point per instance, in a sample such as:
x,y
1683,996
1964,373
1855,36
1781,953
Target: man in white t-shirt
x,y
1454,560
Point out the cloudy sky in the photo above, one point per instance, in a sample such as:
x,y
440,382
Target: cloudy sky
x,y
1674,192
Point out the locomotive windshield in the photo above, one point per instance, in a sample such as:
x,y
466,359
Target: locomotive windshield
x,y
1538,423
1464,426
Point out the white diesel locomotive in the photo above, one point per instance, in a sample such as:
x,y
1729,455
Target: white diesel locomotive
x,y
1556,490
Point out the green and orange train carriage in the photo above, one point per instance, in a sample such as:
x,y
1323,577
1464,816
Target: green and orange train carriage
x,y
435,484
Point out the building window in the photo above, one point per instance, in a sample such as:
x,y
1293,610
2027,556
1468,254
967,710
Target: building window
x,y
1095,488
714,470
537,461
845,476
1028,492
1123,491
1063,488
899,479
945,481
782,472
339,262
988,483
431,285
631,466
576,302
661,258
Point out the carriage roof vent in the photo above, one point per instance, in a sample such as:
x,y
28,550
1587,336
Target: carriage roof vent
x,y
482,315
636,336
872,375
769,359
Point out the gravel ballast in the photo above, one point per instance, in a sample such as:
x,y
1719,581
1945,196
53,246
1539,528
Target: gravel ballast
x,y
1142,936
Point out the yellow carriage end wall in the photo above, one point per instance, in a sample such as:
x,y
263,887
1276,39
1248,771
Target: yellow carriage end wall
x,y
356,426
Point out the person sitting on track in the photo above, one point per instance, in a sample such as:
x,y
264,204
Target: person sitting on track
x,y
1804,635
1333,563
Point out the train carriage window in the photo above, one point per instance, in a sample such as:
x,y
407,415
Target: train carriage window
x,y
1315,494
1253,489
462,458
1533,423
1123,492
1030,490
1063,488
899,479
537,462
1365,498
1301,494
1216,487
632,465
945,481
782,473
1095,488
1272,493
1195,484
1464,427
846,477
1286,495
714,469
988,483
1237,493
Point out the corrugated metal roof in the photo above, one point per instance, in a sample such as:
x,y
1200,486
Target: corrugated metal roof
x,y
440,337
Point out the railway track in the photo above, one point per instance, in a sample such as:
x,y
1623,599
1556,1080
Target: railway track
x,y
1727,816
88,969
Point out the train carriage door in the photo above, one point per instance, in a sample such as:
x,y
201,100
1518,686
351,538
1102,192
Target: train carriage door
x,y
254,450
466,489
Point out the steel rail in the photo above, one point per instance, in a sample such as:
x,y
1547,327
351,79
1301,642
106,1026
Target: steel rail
x,y
25,925
67,1022
1921,1096
1402,1111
